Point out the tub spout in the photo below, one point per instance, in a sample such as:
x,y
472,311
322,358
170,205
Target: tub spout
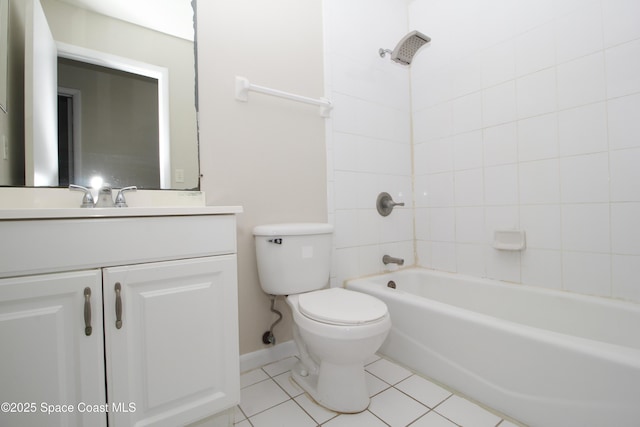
x,y
392,260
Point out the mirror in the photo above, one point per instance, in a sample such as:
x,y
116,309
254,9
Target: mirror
x,y
147,42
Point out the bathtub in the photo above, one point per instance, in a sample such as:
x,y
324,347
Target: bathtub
x,y
546,358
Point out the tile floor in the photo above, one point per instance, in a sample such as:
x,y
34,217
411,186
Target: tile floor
x,y
399,398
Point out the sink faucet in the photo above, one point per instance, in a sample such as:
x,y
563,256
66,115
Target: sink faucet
x,y
392,260
105,198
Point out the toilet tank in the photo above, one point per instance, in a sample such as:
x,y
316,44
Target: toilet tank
x,y
293,258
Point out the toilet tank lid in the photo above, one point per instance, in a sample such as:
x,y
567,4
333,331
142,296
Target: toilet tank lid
x,y
293,229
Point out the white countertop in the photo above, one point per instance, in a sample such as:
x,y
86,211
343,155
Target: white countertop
x,y
60,213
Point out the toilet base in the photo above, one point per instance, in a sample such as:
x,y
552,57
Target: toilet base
x,y
340,388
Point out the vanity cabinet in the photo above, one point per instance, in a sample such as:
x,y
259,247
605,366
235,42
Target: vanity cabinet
x,y
160,299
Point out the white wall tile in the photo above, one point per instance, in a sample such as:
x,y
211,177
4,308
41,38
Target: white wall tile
x,y
500,218
581,81
394,158
625,228
587,273
625,270
443,256
585,227
585,178
538,137
498,64
440,190
620,21
475,128
396,227
624,126
346,151
470,259
542,225
542,268
432,89
623,69
422,224
469,225
467,150
469,188
345,190
501,185
432,123
345,231
537,93
467,76
442,224
579,33
539,182
367,189
367,227
625,175
499,104
436,156
500,144
535,50
344,115
370,259
345,265
423,254
583,129
467,113
503,265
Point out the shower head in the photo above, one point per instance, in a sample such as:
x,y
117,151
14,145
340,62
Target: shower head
x,y
406,48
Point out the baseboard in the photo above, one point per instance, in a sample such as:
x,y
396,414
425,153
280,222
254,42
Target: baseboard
x,y
265,356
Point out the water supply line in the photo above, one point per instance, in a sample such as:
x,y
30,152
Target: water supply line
x,y
268,337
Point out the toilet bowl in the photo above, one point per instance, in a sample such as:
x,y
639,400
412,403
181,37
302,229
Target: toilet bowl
x,y
333,351
335,330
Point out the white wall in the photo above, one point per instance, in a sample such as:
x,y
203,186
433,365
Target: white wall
x,y
369,135
268,154
526,115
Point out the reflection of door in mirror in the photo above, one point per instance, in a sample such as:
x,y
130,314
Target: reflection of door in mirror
x,y
117,117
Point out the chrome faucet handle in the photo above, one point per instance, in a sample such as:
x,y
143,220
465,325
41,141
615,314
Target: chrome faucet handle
x,y
87,200
105,200
385,204
120,201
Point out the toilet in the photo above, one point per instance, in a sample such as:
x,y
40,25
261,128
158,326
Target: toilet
x,y
335,330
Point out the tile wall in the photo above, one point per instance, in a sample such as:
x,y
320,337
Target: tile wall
x,y
526,115
368,136
520,114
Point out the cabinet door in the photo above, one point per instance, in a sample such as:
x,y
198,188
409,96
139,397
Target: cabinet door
x,y
48,362
172,353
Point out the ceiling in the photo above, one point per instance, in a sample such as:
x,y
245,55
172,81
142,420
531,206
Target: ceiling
x,y
173,17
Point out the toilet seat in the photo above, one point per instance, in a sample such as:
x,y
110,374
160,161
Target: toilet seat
x,y
337,306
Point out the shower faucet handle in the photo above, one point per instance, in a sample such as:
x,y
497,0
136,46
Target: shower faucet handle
x,y
385,204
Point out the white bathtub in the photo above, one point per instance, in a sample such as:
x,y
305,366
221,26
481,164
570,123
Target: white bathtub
x,y
547,358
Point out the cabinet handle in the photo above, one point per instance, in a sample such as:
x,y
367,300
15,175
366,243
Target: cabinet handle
x,y
118,288
87,311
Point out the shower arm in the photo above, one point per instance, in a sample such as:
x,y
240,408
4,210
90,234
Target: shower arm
x,y
383,52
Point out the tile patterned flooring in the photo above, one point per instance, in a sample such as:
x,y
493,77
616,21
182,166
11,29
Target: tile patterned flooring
x,y
399,398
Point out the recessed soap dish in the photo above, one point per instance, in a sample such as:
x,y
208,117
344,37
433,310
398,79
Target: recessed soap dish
x,y
509,240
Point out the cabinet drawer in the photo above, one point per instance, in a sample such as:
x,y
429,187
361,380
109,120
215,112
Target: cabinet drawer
x,y
41,246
